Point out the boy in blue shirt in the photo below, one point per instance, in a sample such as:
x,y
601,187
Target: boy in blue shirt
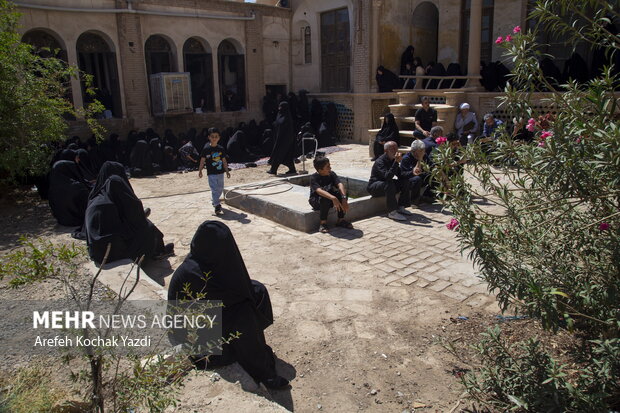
x,y
213,157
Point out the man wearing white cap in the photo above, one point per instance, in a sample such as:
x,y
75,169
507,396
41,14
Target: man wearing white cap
x,y
466,123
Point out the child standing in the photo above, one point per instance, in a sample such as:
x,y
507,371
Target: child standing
x,y
326,191
213,157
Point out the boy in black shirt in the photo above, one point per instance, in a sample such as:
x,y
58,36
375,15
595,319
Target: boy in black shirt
x,y
213,157
326,191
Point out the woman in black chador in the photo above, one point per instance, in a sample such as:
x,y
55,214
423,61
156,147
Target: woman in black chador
x,y
115,216
284,138
68,194
140,160
247,308
389,132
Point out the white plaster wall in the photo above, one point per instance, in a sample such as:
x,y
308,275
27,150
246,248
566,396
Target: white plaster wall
x,y
308,76
276,50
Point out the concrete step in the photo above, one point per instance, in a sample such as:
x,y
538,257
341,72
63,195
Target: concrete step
x,y
408,109
410,119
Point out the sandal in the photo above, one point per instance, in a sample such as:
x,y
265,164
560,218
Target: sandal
x,y
323,229
345,224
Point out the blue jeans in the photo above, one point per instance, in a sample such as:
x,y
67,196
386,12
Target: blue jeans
x,y
216,183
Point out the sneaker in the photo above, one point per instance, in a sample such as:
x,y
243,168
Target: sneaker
x,y
218,210
403,211
147,212
396,216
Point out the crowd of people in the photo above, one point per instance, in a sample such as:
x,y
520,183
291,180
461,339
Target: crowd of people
x,y
493,75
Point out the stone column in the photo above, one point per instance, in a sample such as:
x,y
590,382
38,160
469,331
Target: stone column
x,y
76,85
473,56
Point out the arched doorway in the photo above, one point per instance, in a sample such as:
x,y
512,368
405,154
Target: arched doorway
x,y
198,62
425,29
97,58
232,75
158,55
47,44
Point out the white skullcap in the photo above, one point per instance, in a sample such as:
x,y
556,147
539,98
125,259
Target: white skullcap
x,y
464,106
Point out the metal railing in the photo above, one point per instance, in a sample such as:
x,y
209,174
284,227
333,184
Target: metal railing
x,y
442,81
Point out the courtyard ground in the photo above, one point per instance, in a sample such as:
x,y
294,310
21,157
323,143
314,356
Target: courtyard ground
x,y
360,315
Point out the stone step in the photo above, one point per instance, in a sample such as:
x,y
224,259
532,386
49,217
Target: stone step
x,y
411,97
408,109
410,119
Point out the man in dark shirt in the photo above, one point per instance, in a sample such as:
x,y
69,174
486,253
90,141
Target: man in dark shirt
x,y
425,119
386,180
326,191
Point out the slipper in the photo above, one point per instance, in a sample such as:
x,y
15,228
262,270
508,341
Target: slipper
x,y
345,224
323,229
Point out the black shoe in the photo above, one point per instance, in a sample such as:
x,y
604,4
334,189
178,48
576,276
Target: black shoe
x,y
270,172
147,212
277,382
218,210
291,172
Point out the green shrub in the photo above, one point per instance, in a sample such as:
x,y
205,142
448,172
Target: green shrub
x,y
542,222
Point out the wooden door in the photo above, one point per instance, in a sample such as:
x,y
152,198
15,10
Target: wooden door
x,y
335,51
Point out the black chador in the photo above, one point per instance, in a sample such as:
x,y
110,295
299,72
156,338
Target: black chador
x,y
115,215
140,160
284,138
68,194
214,270
389,132
86,165
237,148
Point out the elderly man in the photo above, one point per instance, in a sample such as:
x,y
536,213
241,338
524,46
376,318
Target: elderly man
x,y
429,142
490,128
412,168
465,124
386,180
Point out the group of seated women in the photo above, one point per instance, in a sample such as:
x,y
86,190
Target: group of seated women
x,y
107,211
115,226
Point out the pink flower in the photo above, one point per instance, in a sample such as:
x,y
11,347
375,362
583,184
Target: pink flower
x,y
531,125
604,226
579,140
508,38
546,134
541,144
499,40
516,30
441,139
453,224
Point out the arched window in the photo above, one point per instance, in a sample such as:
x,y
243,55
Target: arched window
x,y
232,76
158,54
198,62
96,58
307,45
426,26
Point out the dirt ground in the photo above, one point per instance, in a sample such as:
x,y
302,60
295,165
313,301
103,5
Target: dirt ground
x,y
345,339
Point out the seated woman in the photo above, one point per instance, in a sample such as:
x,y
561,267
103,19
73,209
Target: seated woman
x,y
68,194
247,308
115,216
